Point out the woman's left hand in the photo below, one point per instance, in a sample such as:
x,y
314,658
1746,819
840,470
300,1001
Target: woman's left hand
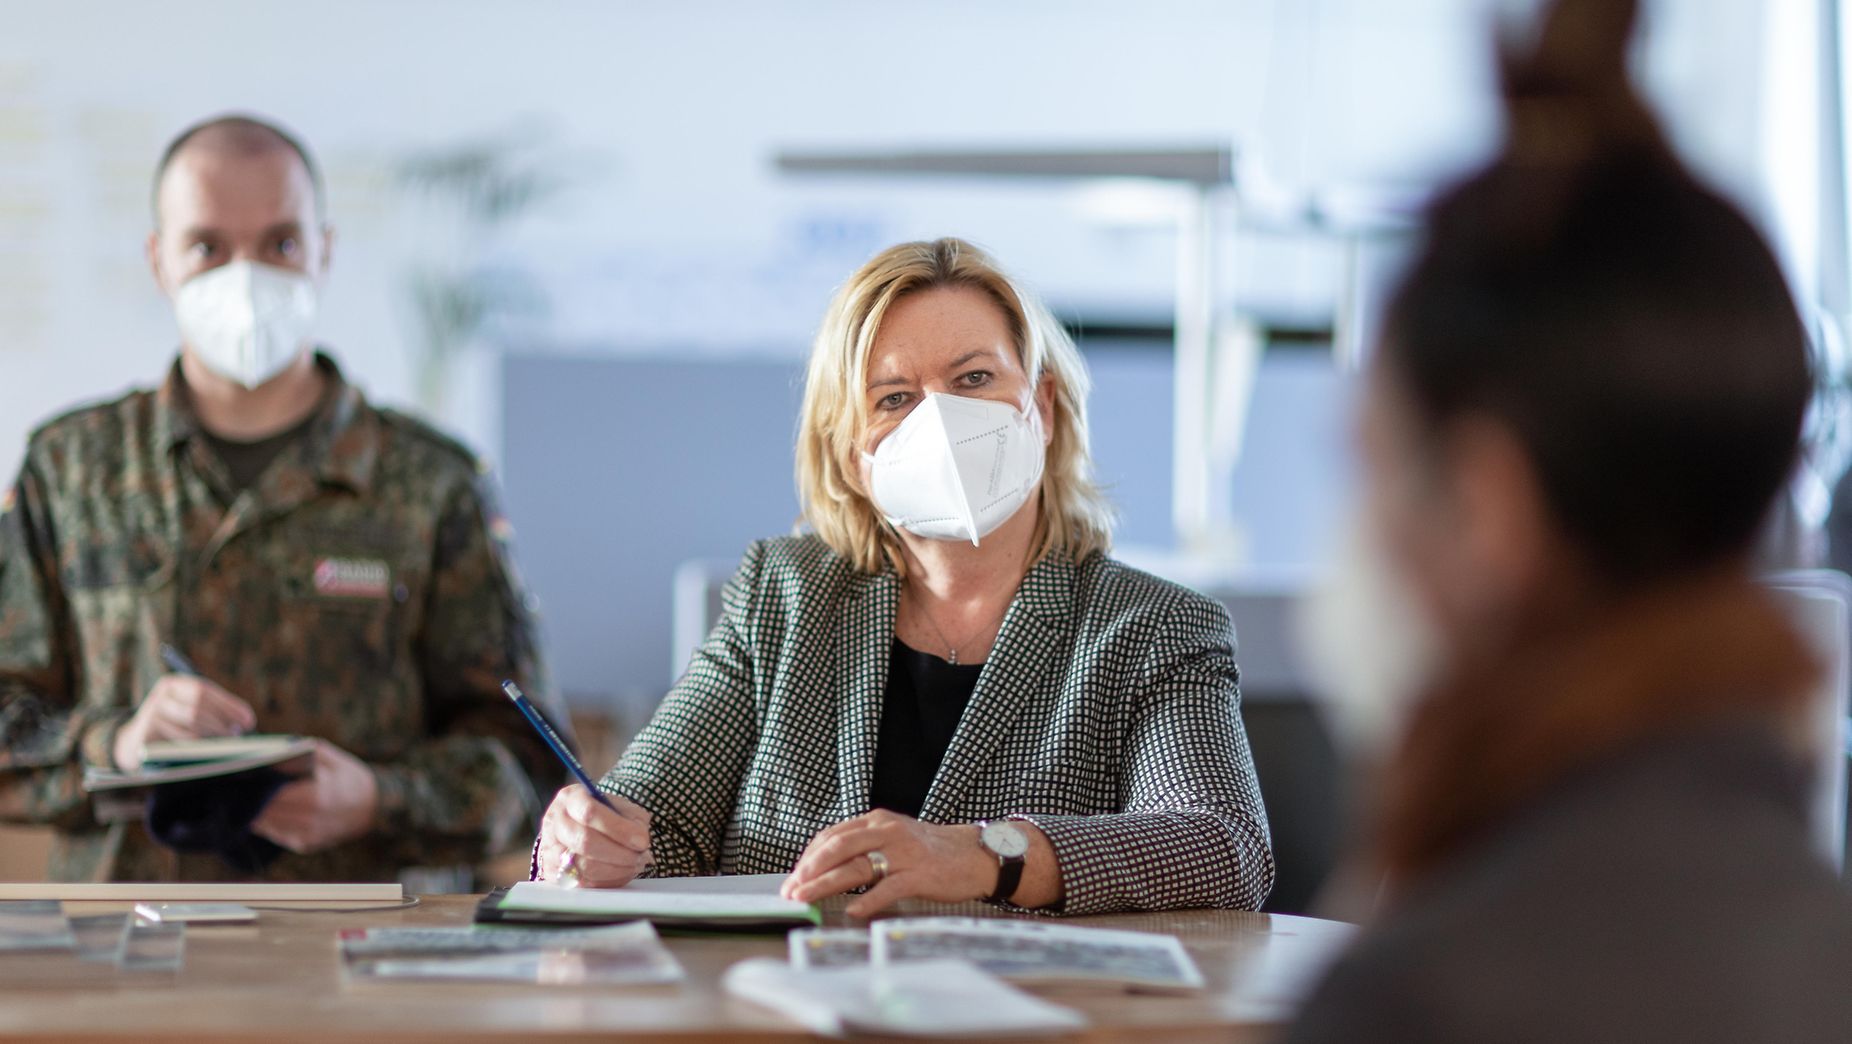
x,y
924,861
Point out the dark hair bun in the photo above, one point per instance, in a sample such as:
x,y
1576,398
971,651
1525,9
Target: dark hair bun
x,y
1566,88
1627,323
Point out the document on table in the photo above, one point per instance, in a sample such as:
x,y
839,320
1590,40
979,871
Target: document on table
x,y
40,946
152,947
34,925
99,936
715,900
1036,952
922,999
827,947
1277,977
199,892
627,955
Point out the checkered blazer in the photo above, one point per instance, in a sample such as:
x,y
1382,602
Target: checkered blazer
x,y
1108,714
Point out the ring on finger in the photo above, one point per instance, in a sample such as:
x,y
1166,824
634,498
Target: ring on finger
x,y
878,863
569,870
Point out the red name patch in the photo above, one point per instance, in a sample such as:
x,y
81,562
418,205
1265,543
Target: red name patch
x,y
352,578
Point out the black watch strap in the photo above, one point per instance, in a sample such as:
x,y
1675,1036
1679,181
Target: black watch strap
x,y
1009,878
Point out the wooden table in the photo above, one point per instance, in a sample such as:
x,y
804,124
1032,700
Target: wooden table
x,y
282,980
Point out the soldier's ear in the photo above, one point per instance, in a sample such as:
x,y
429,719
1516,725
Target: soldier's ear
x,y
327,249
154,259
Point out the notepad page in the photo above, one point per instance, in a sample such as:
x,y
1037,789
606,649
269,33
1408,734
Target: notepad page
x,y
730,884
543,897
944,999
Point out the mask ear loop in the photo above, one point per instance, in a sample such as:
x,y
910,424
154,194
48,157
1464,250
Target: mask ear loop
x,y
1032,422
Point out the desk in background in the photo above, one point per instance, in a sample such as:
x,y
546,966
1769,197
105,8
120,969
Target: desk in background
x,y
282,980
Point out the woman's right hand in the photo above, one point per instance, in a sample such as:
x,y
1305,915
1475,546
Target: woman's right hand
x,y
608,848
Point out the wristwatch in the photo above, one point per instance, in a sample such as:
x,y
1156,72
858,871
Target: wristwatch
x,y
1009,844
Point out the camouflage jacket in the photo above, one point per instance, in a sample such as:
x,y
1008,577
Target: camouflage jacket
x,y
360,592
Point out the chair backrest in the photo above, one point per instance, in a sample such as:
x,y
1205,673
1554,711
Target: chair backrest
x,y
1302,778
1821,601
695,605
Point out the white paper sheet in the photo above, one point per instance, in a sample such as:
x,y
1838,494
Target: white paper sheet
x,y
287,758
919,999
734,884
1040,952
715,903
627,955
34,925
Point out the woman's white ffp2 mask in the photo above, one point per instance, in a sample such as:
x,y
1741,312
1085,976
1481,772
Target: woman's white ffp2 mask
x,y
957,468
246,321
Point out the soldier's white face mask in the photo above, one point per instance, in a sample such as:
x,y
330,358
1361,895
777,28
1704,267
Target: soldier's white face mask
x,y
246,321
1369,645
957,468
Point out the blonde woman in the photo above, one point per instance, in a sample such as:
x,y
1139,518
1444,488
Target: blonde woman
x,y
945,689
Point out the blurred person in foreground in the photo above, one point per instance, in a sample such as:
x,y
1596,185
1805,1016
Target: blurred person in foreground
x,y
332,569
1591,822
948,690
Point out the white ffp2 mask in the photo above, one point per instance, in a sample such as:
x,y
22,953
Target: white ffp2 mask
x,y
246,321
957,468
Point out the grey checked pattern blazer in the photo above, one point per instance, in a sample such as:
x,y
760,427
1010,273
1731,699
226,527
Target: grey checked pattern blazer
x,y
1108,714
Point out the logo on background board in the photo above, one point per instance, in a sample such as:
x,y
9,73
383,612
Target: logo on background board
x,y
352,578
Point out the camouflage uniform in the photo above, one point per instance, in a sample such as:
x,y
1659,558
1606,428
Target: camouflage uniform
x,y
359,592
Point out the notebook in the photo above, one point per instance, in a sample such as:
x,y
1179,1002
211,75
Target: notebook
x,y
747,903
192,761
170,753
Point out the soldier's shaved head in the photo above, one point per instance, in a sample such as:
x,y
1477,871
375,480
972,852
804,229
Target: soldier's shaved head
x,y
237,135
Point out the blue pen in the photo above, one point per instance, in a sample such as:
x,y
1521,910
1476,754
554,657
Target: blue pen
x,y
177,662
532,714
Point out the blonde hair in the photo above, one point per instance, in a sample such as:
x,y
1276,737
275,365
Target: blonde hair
x,y
1075,517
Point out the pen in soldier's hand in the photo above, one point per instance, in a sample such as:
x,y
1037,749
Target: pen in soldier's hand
x,y
177,662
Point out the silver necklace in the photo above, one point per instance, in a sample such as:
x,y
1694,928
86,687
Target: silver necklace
x,y
951,650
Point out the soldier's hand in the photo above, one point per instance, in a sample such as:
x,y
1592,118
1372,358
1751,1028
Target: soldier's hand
x,y
180,708
608,848
336,802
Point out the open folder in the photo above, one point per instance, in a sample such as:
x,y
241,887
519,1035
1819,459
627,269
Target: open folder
x,y
206,759
736,904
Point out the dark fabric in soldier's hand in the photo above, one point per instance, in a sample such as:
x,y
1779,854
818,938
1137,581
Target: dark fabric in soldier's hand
x,y
215,815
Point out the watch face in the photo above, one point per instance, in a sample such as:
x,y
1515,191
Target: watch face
x,y
1005,839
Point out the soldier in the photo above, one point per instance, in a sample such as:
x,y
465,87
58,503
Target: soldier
x,y
333,569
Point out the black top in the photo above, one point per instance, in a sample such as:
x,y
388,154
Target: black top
x,y
246,461
925,698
